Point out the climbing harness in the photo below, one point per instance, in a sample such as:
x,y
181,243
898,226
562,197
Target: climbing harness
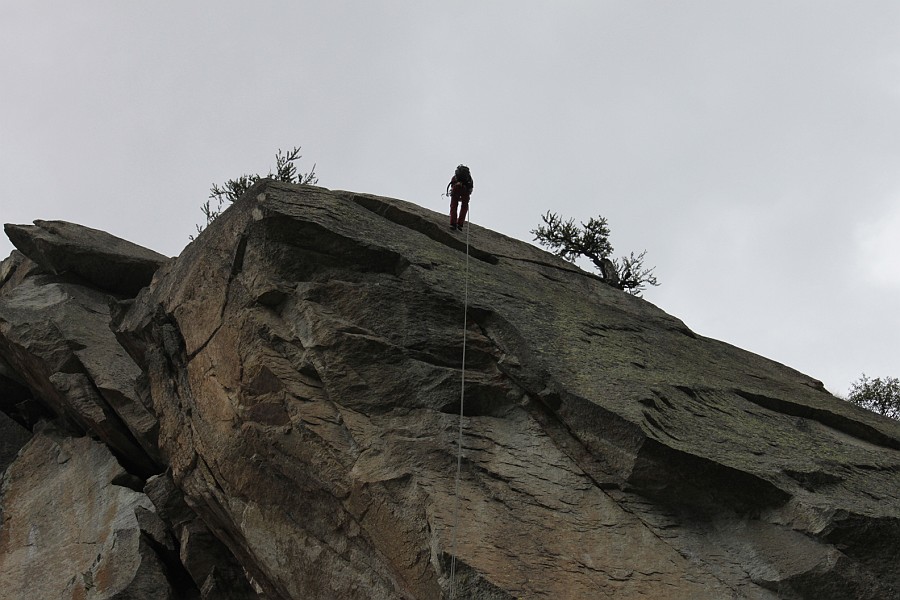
x,y
462,398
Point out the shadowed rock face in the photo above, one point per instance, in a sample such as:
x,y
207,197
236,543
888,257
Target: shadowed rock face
x,y
71,530
103,260
296,374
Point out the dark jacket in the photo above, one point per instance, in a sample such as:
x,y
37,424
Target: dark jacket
x,y
459,190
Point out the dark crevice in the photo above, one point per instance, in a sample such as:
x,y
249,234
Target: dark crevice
x,y
599,471
653,422
600,328
677,478
176,573
689,392
469,582
664,400
422,225
317,249
143,470
869,540
31,407
478,405
573,270
130,481
206,342
813,480
20,405
835,421
237,265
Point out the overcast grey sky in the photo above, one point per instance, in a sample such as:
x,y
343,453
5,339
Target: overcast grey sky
x,y
750,147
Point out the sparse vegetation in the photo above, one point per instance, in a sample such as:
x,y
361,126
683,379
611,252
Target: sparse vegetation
x,y
878,395
231,190
591,240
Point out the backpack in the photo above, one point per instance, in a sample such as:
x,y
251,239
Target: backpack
x,y
465,177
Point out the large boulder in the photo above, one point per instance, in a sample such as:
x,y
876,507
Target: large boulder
x,y
99,258
71,529
56,345
303,359
60,361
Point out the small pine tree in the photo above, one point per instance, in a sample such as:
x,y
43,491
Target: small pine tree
x,y
591,240
878,395
231,190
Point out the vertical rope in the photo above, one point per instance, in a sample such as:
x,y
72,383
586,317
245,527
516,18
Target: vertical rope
x,y
462,398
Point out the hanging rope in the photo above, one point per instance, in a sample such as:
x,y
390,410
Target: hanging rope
x,y
462,399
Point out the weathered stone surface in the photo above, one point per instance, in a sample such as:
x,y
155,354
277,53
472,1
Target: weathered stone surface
x,y
209,564
69,532
9,266
290,408
103,260
169,501
228,585
56,341
303,360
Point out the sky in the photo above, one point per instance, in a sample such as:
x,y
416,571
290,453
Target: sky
x,y
751,148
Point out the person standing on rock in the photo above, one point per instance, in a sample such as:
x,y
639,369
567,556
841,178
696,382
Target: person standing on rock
x,y
460,189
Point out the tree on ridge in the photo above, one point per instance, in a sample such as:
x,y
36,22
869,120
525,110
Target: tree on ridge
x,y
231,190
591,240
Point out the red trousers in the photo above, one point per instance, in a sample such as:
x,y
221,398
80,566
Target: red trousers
x,y
463,209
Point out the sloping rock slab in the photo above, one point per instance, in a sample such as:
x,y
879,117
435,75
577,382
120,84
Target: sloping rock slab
x,y
104,260
69,531
303,358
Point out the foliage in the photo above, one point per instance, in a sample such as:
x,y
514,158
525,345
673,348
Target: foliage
x,y
633,275
231,190
878,395
591,240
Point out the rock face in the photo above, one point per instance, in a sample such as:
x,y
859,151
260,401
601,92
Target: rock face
x,y
69,531
103,260
285,400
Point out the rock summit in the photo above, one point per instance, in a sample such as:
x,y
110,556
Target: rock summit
x,y
274,414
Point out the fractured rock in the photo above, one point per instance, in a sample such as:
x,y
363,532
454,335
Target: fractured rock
x,y
99,258
290,389
68,531
209,563
303,359
55,339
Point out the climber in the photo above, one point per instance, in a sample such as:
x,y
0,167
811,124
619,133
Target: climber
x,y
460,189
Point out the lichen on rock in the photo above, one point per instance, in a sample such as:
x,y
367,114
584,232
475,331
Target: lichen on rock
x,y
288,394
